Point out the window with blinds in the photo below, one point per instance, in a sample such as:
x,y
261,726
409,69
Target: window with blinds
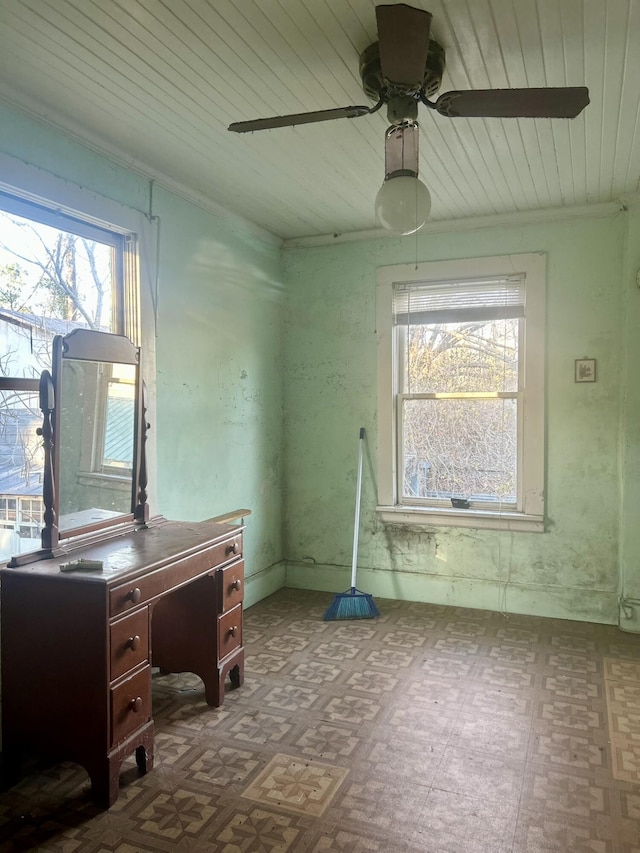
x,y
459,391
460,427
441,302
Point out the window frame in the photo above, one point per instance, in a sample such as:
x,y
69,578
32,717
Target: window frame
x,y
97,465
135,232
12,203
529,512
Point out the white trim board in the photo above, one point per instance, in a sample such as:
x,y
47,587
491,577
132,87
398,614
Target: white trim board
x,y
80,136
440,226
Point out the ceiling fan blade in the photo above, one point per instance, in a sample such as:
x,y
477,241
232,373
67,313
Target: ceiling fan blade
x,y
298,118
515,103
403,42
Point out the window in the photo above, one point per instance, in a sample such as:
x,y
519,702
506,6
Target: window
x,y
7,509
116,450
58,273
68,259
107,449
461,368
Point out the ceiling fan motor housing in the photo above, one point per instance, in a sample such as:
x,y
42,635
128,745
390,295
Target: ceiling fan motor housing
x,y
376,87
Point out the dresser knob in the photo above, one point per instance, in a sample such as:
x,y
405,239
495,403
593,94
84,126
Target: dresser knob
x,y
136,704
232,631
233,548
236,585
134,642
134,595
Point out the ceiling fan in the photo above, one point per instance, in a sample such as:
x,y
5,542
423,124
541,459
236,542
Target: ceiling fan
x,y
403,69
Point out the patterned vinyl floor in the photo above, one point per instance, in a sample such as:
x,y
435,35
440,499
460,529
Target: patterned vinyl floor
x,y
429,729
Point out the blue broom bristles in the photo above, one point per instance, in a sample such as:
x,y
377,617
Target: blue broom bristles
x,y
352,604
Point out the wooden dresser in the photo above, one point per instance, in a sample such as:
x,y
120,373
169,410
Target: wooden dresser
x,y
78,647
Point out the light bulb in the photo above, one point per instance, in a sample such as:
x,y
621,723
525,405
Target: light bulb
x,y
403,204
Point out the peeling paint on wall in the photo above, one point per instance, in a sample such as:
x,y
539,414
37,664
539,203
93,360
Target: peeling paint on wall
x,y
330,390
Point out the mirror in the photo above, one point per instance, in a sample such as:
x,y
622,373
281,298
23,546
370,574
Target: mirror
x,y
94,434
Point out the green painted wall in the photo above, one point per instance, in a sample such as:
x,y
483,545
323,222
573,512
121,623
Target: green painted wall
x,y
330,391
219,373
630,432
218,347
243,422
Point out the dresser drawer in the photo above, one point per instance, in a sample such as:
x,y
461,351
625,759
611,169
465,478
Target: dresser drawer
x,y
230,586
129,642
229,631
138,591
130,704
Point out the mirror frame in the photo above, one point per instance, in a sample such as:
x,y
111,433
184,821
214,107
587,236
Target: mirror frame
x,y
85,345
89,345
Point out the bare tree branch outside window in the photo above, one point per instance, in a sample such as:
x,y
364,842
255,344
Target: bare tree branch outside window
x,y
51,281
461,446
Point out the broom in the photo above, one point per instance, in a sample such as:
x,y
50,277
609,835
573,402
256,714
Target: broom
x,y
354,604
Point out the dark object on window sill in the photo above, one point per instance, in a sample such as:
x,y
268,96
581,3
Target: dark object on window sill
x,y
460,503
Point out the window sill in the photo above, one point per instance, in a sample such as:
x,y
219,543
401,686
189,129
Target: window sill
x,y
102,480
479,519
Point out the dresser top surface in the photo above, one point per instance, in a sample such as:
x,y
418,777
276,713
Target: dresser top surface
x,y
126,555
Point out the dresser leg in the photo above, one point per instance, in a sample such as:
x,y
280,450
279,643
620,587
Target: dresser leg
x,y
233,666
144,759
214,690
105,783
11,763
236,674
104,772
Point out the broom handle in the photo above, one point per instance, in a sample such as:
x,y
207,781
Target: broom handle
x,y
356,525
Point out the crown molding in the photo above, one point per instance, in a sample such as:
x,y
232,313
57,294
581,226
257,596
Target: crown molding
x,y
630,201
77,133
472,223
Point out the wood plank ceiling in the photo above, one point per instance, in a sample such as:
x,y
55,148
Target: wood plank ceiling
x,y
156,82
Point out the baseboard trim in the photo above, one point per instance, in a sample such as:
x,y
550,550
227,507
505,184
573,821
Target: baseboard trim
x,y
263,583
576,603
629,614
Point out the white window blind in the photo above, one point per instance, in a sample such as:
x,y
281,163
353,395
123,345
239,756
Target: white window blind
x,y
451,301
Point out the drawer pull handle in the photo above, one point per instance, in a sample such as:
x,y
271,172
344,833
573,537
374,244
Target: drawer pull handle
x,y
136,704
134,595
133,642
236,585
232,631
233,548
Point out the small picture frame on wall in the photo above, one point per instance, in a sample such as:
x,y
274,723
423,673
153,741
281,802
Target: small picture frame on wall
x,y
585,370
